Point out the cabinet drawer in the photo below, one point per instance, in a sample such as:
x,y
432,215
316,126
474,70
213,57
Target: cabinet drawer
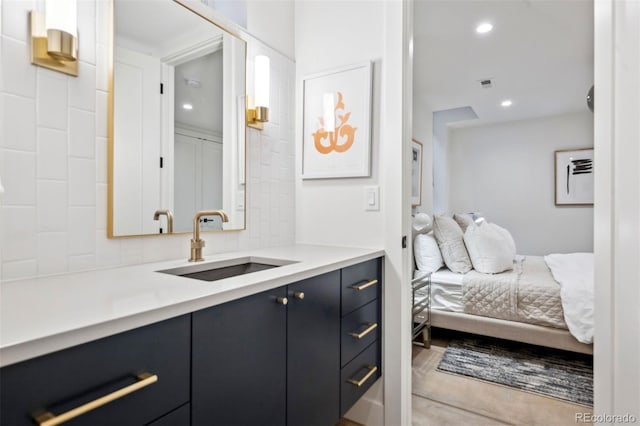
x,y
178,417
359,329
358,376
73,377
360,284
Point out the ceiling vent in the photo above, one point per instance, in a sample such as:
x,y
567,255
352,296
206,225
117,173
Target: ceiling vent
x,y
486,83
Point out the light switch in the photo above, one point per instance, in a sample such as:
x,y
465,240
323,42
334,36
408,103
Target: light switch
x,y
372,198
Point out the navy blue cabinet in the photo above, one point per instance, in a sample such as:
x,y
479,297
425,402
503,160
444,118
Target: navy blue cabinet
x,y
155,357
300,354
239,362
313,351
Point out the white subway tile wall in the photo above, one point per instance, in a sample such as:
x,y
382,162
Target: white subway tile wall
x,y
53,160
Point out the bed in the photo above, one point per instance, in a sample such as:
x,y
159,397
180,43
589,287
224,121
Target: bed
x,y
478,284
524,305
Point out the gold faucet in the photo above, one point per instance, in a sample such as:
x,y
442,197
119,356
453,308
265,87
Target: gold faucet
x,y
169,215
196,242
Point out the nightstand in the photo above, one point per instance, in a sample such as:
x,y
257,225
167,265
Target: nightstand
x,y
421,310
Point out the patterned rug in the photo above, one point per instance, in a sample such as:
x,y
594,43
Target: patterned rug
x,y
550,372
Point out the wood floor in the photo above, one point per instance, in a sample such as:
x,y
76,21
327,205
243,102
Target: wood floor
x,y
443,399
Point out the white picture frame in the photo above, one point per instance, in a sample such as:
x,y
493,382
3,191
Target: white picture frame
x,y
341,97
416,173
574,183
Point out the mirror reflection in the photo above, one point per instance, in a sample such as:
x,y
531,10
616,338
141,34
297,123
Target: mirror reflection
x,y
178,134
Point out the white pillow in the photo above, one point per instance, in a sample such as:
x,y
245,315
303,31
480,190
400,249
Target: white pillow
x,y
507,236
421,224
464,220
489,249
427,253
449,237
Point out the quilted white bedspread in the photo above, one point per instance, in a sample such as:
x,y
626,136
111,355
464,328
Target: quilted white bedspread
x,y
527,294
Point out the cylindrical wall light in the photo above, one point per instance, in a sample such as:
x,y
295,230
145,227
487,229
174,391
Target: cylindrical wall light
x,y
259,114
62,34
54,36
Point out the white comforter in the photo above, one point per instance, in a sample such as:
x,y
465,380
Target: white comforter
x,y
574,273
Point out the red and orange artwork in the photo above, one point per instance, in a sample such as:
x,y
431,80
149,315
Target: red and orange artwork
x,y
340,139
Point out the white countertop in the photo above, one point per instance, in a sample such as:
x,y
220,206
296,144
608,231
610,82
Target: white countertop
x,y
43,315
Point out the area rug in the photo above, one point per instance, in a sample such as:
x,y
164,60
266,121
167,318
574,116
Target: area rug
x,y
550,372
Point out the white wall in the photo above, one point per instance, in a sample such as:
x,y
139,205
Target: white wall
x,y
617,210
506,171
53,160
423,133
332,211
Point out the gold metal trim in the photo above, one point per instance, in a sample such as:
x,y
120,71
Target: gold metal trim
x,y
365,285
60,53
255,117
359,383
50,419
372,326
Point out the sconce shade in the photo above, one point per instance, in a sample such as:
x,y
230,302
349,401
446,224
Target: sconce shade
x,y
258,111
54,41
262,80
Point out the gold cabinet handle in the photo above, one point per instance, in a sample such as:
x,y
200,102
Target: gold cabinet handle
x,y
372,326
282,300
50,419
298,295
365,285
358,383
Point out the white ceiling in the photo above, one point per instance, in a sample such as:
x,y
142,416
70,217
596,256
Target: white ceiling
x,y
539,55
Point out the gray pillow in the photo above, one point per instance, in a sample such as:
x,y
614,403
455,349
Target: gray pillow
x,y
450,240
464,220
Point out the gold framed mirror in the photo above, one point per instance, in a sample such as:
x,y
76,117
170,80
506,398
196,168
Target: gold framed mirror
x,y
176,120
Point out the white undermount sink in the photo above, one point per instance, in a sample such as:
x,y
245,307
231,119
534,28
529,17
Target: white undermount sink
x,y
213,271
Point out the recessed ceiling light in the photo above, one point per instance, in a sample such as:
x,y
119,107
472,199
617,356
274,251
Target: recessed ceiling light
x,y
188,107
484,28
506,103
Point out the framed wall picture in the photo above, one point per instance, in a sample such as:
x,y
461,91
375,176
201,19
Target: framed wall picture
x,y
574,177
337,123
416,173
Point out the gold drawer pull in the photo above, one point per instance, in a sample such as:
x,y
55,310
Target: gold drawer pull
x,y
358,383
365,285
372,326
50,419
282,300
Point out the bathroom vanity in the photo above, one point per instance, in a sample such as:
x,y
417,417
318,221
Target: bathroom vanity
x,y
294,344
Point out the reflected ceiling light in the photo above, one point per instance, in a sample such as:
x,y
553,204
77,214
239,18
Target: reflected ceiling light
x,y
484,28
506,103
188,107
54,36
258,107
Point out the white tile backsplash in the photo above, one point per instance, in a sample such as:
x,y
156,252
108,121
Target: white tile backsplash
x,y
18,232
11,26
82,181
52,253
52,99
82,133
80,220
52,206
19,178
82,91
52,154
56,220
19,123
17,72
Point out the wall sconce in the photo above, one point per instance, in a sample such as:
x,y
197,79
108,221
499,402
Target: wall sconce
x,y
258,113
54,36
